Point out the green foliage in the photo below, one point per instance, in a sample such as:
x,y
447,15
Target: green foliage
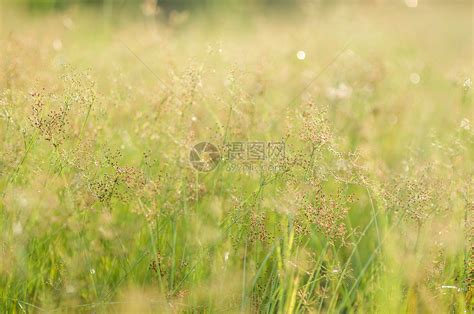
x,y
370,209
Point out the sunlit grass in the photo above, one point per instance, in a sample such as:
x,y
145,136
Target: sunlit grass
x,y
370,210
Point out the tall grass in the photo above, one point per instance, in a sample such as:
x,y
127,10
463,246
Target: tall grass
x,y
370,210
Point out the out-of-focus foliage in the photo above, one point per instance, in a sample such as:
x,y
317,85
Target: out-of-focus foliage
x,y
369,211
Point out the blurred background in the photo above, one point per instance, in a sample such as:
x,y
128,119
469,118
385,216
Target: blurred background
x,y
166,6
382,89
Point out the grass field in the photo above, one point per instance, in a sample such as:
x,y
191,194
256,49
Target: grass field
x,y
342,181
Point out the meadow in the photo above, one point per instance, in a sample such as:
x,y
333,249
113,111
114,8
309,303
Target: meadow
x,y
342,180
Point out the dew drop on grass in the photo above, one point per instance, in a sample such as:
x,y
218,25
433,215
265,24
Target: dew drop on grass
x,y
301,55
